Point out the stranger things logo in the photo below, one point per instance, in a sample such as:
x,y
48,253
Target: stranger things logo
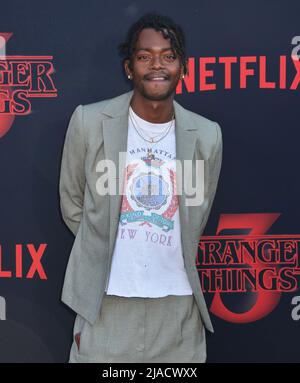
x,y
248,264
22,78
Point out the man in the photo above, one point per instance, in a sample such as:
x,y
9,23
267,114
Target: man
x,y
131,276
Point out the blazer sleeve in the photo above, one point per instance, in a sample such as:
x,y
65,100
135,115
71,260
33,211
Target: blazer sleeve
x,y
72,173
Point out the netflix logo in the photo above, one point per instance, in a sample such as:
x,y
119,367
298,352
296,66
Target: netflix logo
x,y
240,72
24,262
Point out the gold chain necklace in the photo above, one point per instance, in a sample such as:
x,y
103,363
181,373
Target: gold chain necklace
x,y
151,139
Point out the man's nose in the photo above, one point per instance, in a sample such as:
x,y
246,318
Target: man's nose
x,y
156,62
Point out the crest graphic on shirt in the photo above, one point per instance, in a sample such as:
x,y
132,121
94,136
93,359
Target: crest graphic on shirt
x,y
150,193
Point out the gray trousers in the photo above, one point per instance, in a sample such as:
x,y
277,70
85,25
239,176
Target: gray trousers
x,y
142,330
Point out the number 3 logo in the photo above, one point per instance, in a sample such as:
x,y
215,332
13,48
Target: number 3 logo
x,y
266,301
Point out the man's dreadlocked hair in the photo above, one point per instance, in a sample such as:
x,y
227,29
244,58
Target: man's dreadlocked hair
x,y
160,23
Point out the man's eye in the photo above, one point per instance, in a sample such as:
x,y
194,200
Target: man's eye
x,y
171,57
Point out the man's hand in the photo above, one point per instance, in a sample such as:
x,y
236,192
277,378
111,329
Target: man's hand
x,y
77,339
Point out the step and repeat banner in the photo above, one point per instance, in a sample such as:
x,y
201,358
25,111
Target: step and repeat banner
x,y
244,73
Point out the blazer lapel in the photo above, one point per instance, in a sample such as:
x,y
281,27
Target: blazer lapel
x,y
185,148
115,132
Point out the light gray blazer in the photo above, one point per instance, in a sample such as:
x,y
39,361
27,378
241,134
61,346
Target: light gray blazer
x,y
98,131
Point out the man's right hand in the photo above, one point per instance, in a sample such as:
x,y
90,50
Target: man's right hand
x,y
77,339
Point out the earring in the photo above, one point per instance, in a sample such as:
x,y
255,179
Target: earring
x,y
129,76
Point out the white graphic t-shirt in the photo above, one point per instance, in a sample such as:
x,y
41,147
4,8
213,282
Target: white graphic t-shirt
x,y
147,259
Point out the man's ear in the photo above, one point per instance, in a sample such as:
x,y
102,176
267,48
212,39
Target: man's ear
x,y
187,68
126,67
181,72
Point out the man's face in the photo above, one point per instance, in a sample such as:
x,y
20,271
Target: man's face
x,y
153,57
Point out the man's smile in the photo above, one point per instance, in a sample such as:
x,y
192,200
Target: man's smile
x,y
156,77
157,80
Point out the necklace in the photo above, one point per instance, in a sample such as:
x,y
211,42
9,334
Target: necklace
x,y
150,139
